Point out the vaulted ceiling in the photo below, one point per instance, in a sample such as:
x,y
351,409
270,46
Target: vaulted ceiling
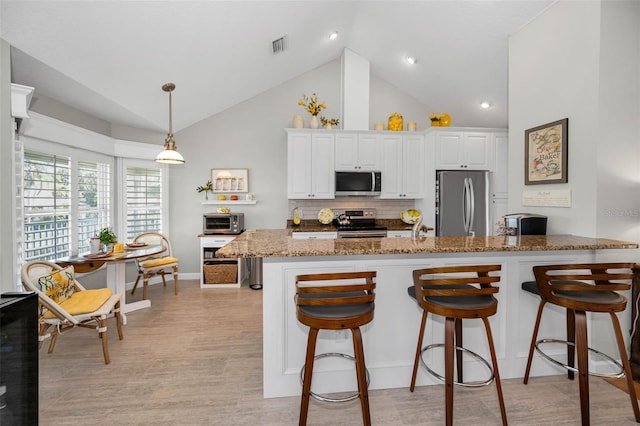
x,y
110,58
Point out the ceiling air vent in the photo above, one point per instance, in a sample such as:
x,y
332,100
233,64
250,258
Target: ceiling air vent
x,y
279,45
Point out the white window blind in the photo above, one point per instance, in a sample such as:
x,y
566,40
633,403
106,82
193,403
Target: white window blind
x,y
93,201
66,201
47,202
144,200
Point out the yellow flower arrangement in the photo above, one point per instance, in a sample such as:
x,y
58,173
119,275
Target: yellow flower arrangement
x,y
329,121
310,103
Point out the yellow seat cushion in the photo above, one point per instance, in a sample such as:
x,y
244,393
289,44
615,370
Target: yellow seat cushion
x,y
158,262
84,302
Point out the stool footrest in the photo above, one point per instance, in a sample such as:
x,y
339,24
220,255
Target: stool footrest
x,y
326,398
471,353
616,375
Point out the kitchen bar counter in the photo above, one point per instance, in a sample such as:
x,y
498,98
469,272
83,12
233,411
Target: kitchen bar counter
x,y
390,339
279,243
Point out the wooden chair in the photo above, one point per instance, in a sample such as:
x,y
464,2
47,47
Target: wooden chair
x,y
161,265
66,304
582,288
457,293
335,301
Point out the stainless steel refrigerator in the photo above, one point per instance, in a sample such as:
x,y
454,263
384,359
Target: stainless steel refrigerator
x,y
462,203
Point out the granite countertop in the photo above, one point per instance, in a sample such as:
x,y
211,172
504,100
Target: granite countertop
x,y
279,243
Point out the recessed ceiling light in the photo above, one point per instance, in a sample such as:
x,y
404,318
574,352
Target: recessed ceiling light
x,y
412,60
485,105
333,35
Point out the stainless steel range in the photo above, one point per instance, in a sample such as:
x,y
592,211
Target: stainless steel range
x,y
358,224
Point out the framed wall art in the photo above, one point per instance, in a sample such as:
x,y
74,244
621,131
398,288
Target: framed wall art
x,y
545,153
230,180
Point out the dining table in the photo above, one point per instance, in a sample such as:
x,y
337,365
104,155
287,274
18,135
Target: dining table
x,y
116,270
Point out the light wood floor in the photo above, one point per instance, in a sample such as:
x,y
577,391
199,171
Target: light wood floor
x,y
196,359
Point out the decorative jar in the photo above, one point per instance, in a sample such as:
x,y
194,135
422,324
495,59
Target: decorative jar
x,y
395,122
298,122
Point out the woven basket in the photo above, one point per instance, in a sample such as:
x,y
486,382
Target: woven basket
x,y
220,274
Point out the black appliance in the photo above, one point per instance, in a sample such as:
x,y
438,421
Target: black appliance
x,y
358,224
19,359
358,184
525,224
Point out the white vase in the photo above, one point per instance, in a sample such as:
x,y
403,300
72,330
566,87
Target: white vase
x,y
94,245
313,123
298,122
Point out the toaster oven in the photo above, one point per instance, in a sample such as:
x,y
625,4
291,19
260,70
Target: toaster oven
x,y
223,223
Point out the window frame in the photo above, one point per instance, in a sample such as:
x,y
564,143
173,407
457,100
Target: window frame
x,y
123,164
52,136
75,155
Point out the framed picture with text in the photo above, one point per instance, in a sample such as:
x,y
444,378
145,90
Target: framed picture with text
x,y
230,180
545,153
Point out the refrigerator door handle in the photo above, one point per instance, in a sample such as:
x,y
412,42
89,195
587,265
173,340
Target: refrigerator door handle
x,y
472,207
465,205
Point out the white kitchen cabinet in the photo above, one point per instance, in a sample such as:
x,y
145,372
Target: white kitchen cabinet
x,y
216,272
500,180
500,167
310,165
357,151
402,166
456,150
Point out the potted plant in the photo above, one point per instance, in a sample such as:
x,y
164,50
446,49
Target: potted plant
x,y
206,188
108,238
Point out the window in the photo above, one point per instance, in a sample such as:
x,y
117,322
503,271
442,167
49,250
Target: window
x,y
66,200
144,200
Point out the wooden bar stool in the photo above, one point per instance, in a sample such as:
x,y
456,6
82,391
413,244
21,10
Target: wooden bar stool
x,y
335,301
457,293
582,288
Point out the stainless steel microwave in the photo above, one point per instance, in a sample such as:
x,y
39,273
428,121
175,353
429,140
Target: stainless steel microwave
x,y
358,184
223,223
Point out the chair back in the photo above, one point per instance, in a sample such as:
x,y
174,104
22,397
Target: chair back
x,y
346,292
335,300
155,238
581,277
436,287
31,272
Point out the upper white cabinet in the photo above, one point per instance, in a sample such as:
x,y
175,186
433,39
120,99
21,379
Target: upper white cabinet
x,y
357,151
500,178
310,165
459,150
402,165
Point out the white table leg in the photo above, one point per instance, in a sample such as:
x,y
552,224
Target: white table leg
x,y
117,280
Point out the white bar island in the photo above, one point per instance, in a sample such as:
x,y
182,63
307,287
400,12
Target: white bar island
x,y
390,339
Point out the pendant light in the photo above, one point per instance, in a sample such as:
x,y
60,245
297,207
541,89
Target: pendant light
x,y
169,155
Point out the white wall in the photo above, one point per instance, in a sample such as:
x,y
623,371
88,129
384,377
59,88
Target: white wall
x,y
553,74
580,60
7,234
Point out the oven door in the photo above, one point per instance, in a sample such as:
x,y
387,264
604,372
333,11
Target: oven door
x,y
217,224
